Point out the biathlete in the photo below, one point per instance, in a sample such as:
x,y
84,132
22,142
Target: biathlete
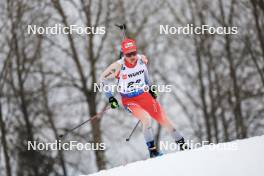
x,y
132,80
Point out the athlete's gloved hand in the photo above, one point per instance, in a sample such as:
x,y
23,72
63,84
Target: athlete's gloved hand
x,y
153,92
113,102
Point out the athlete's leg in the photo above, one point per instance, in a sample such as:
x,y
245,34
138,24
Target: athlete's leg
x,y
165,122
147,106
153,108
157,112
168,125
144,117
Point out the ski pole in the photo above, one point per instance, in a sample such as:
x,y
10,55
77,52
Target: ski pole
x,y
122,27
127,139
90,119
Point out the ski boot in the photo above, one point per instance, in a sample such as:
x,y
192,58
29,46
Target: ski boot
x,y
153,152
182,144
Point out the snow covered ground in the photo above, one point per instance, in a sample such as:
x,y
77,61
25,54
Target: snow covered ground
x,y
247,159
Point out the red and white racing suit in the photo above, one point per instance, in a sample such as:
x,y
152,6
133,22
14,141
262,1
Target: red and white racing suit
x,y
133,80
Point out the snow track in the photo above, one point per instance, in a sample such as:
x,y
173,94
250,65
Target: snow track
x,y
246,160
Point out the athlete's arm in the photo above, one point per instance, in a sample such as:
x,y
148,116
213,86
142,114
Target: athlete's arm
x,y
109,74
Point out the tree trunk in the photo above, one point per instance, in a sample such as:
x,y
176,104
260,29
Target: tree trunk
x,y
4,142
239,122
51,121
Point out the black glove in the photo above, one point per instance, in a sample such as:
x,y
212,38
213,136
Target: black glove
x,y
113,102
153,92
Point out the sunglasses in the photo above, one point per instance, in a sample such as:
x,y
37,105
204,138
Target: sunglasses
x,y
131,54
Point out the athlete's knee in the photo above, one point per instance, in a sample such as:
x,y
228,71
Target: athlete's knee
x,y
146,122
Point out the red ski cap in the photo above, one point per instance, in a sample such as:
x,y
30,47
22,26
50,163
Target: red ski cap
x,y
128,46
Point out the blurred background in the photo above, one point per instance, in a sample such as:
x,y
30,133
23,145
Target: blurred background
x,y
46,81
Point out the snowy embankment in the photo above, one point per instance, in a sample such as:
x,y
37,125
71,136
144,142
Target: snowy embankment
x,y
246,160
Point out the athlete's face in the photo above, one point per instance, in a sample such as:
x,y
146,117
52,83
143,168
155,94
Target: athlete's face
x,y
131,57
